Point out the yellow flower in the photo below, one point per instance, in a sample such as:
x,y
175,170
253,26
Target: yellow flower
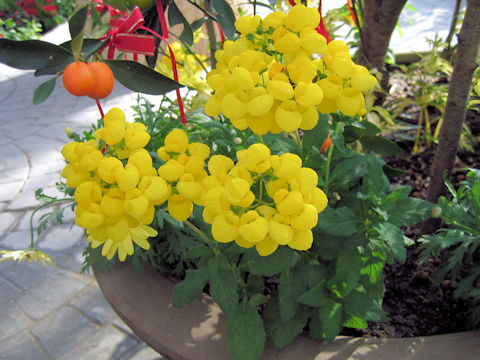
x,y
180,207
225,227
27,254
253,228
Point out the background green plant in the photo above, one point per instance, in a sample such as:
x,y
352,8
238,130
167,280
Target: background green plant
x,y
457,244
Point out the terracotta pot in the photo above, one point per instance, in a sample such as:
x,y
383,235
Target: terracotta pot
x,y
199,332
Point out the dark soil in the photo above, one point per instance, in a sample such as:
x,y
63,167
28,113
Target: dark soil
x,y
412,302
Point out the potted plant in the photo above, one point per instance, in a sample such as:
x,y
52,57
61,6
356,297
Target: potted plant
x,y
271,195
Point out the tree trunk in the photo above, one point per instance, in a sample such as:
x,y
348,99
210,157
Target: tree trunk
x,y
379,20
456,108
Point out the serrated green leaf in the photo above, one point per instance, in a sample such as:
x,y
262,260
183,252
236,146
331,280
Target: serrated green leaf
x,y
246,335
315,296
175,17
225,17
76,24
198,251
282,332
293,283
276,263
338,222
347,273
141,78
380,145
393,236
361,305
326,324
44,90
190,287
356,323
32,54
373,268
223,284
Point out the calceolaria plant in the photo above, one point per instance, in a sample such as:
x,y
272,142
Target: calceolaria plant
x,y
272,196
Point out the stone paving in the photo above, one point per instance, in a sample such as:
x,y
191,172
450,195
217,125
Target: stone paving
x,y
50,312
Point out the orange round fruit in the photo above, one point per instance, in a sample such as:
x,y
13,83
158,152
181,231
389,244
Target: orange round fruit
x,y
104,80
78,78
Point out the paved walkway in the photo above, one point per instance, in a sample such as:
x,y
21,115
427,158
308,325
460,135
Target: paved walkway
x,y
46,312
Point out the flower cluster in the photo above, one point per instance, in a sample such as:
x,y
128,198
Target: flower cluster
x,y
263,200
281,72
115,199
184,169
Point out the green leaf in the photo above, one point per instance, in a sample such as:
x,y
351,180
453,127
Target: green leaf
x,y
246,335
281,332
347,273
77,44
375,181
141,78
317,135
356,323
190,288
223,284
257,299
327,324
359,304
276,263
76,24
176,17
198,251
373,268
316,296
32,54
394,237
293,283
197,24
403,210
338,222
380,145
225,17
44,90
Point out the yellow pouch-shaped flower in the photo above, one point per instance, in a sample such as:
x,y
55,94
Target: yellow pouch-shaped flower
x,y
142,160
219,164
87,193
274,20
309,117
307,180
179,207
318,199
106,169
287,44
113,132
280,90
302,240
189,188
90,217
308,94
225,227
302,69
155,189
242,78
343,67
247,24
213,106
261,125
90,160
236,190
194,165
256,158
287,116
327,106
118,229
289,202
331,89
350,102
279,229
232,107
253,228
266,247
307,219
199,149
260,105
313,42
136,204
136,136
363,81
112,204
176,141
171,170
127,178
287,166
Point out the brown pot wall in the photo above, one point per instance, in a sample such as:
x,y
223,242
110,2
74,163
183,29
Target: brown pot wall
x,y
198,331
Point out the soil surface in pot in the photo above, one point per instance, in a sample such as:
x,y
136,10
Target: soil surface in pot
x,y
413,303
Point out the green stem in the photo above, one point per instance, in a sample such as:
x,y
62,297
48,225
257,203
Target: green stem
x,y
53,201
329,160
297,139
202,235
